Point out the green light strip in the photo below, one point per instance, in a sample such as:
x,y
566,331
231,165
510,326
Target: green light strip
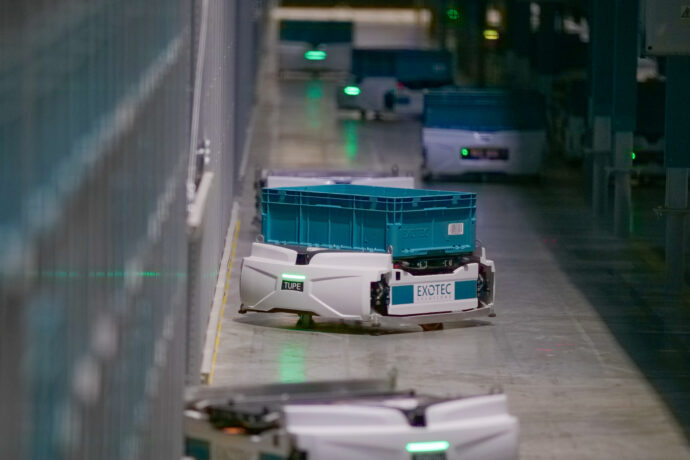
x,y
428,446
352,90
102,274
315,55
291,277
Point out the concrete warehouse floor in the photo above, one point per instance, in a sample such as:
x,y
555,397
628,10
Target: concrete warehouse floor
x,y
588,347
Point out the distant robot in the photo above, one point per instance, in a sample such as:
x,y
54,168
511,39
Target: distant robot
x,y
393,80
314,46
364,420
272,178
468,131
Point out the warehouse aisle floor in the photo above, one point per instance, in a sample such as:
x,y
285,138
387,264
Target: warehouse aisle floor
x,y
573,302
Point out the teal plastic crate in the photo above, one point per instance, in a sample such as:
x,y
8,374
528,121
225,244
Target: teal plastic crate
x,y
414,68
482,109
414,223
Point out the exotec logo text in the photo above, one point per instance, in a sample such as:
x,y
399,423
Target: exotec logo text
x,y
433,289
434,292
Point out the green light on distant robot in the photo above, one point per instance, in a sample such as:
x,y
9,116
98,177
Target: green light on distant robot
x,y
292,277
315,55
491,34
465,152
453,14
429,446
632,155
352,90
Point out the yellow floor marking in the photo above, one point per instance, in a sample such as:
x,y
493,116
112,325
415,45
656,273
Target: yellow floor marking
x,y
225,300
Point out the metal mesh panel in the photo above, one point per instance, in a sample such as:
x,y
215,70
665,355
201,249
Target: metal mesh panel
x,y
94,138
214,135
225,70
104,295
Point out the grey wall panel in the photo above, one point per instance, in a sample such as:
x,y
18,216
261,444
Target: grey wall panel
x,y
96,104
11,388
216,129
224,101
244,73
94,136
231,90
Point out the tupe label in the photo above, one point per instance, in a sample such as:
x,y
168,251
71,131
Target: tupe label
x,y
292,286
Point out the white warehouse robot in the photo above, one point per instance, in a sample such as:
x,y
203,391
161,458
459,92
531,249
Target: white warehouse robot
x,y
273,178
394,80
362,420
470,131
315,46
369,254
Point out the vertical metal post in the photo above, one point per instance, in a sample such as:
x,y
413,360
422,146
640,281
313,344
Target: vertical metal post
x,y
547,46
470,41
622,165
624,109
519,35
676,203
440,7
600,159
481,57
677,161
601,99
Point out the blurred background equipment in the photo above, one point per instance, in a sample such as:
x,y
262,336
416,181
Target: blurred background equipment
x,y
393,80
316,46
482,131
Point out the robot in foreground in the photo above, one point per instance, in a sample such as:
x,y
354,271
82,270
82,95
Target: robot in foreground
x,y
345,420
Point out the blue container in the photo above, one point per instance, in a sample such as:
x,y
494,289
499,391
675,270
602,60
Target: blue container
x,y
414,68
485,110
414,223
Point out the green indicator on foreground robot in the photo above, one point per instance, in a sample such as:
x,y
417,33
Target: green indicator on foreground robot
x,y
429,446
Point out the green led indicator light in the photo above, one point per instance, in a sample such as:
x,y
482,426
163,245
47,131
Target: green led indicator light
x,y
315,55
352,90
291,277
453,14
632,154
465,152
428,446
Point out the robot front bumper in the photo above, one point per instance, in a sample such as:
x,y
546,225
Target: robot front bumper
x,y
362,286
344,420
478,427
